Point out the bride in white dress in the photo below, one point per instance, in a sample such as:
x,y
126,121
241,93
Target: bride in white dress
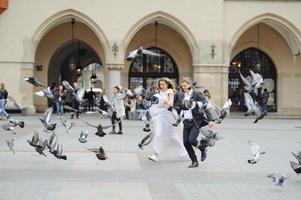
x,y
165,133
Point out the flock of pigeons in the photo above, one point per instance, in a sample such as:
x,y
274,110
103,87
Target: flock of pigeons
x,y
56,148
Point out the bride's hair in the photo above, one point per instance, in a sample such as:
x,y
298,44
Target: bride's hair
x,y
169,83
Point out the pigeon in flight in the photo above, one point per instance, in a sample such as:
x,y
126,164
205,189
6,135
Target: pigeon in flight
x,y
45,93
297,156
137,52
210,136
70,108
83,136
77,95
10,144
296,167
67,124
9,127
47,118
256,153
33,81
10,98
222,113
34,140
257,80
52,142
58,153
41,146
278,179
253,107
146,140
100,153
21,124
99,128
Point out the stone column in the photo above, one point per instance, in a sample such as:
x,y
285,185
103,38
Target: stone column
x,y
114,77
213,77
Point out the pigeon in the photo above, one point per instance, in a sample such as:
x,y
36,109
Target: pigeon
x,y
40,147
257,80
58,153
10,98
17,122
297,156
9,127
83,137
248,84
34,140
52,141
100,128
146,140
10,145
138,91
100,153
253,107
278,179
70,108
47,118
67,85
256,153
33,81
77,95
210,136
296,167
224,111
67,124
45,93
137,52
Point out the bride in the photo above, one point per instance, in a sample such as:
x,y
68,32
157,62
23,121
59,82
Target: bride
x,y
163,118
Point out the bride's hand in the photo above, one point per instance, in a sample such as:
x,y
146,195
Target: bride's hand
x,y
166,104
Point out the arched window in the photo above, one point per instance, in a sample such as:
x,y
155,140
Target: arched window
x,y
259,62
145,69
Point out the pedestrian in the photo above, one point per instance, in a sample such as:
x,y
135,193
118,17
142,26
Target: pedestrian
x,y
75,102
90,97
164,132
60,95
118,109
265,98
3,100
194,119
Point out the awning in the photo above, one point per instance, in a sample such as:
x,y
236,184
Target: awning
x,y
3,5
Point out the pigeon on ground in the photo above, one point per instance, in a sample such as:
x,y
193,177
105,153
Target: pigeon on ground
x,y
10,145
297,156
256,153
296,167
67,124
46,93
47,118
137,52
58,153
278,179
83,137
100,153
17,122
253,107
146,140
52,142
100,128
33,81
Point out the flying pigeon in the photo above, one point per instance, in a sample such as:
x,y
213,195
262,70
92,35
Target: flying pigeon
x,y
278,179
10,145
34,140
257,80
33,81
47,118
146,140
137,52
99,128
70,108
253,107
296,167
256,153
224,111
83,137
45,93
210,136
100,153
40,147
9,127
297,156
77,95
10,98
52,141
67,124
58,153
17,122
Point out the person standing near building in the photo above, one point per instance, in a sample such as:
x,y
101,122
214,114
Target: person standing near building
x,y
3,97
265,98
75,102
118,109
193,121
59,95
163,118
91,96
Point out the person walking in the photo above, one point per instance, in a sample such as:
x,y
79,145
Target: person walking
x,y
91,96
118,109
3,100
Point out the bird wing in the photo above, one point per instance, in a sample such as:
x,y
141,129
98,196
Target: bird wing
x,y
14,102
248,100
245,80
94,150
67,85
132,55
109,126
70,108
275,177
89,124
47,115
150,53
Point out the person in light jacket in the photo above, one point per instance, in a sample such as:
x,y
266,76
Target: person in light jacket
x,y
118,109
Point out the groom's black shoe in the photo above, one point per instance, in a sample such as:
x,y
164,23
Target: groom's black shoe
x,y
194,164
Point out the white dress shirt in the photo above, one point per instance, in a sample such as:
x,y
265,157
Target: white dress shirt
x,y
188,113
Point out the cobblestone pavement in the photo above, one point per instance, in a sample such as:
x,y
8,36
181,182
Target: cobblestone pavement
x,y
128,174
